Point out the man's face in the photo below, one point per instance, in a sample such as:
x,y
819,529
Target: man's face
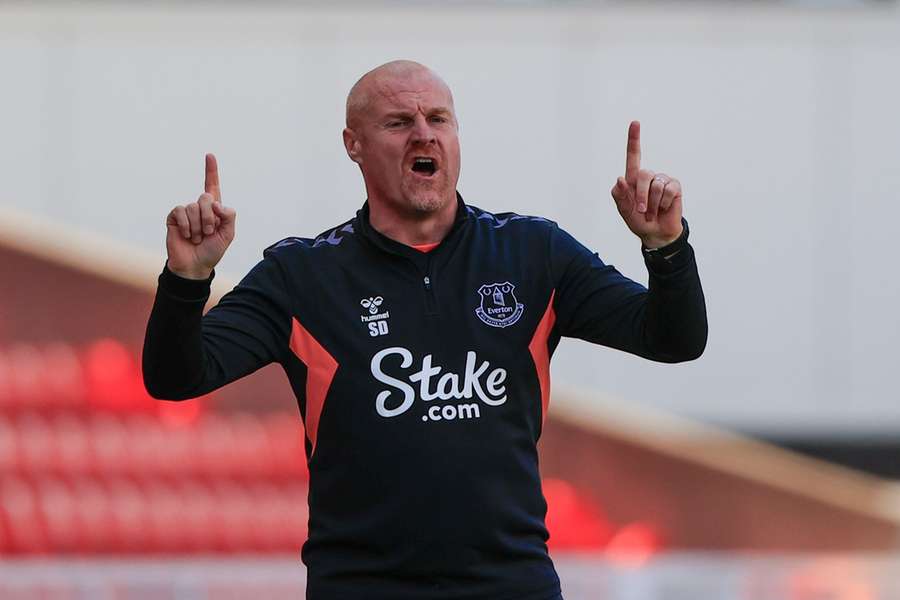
x,y
406,143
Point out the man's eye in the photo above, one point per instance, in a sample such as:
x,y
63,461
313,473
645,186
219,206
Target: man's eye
x,y
393,124
438,119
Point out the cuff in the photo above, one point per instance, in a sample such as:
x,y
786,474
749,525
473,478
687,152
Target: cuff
x,y
191,290
671,257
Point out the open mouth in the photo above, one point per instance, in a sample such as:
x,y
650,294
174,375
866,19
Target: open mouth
x,y
424,166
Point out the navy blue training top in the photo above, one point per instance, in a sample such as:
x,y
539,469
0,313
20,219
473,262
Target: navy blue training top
x,y
423,383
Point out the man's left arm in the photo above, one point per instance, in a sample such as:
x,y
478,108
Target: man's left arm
x,y
596,303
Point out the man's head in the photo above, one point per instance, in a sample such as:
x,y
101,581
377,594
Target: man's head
x,y
402,132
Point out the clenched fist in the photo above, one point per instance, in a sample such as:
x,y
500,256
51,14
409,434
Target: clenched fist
x,y
649,203
199,233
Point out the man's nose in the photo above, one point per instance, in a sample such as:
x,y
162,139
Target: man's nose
x,y
422,131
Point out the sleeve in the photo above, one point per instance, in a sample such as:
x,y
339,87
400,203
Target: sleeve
x,y
596,303
187,354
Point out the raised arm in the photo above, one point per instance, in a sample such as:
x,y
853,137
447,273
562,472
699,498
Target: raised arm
x,y
185,353
597,303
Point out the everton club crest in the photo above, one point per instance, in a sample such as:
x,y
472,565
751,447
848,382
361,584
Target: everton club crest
x,y
499,307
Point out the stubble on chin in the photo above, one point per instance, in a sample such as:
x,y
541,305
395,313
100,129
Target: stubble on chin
x,y
427,204
427,200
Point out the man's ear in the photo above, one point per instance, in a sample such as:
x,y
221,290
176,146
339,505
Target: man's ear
x,y
351,144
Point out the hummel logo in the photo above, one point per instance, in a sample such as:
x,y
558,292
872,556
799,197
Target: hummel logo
x,y
376,321
372,303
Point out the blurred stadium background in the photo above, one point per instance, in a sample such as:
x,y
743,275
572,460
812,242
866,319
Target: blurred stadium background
x,y
766,470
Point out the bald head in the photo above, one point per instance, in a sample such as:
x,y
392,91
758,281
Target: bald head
x,y
377,82
402,133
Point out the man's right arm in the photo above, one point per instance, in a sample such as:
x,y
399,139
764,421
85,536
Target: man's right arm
x,y
187,354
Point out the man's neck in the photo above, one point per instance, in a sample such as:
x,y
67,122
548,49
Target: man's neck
x,y
413,230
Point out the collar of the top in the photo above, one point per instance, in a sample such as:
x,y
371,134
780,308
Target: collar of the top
x,y
364,228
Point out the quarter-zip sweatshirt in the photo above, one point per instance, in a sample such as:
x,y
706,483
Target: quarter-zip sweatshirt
x,y
423,382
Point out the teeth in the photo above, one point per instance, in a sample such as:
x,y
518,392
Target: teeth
x,y
424,160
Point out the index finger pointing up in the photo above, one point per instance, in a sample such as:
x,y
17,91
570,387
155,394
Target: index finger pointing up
x,y
211,185
633,152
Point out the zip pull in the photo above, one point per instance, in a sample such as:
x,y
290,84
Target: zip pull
x,y
427,282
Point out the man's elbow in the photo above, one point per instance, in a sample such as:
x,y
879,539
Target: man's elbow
x,y
684,349
159,391
692,348
694,353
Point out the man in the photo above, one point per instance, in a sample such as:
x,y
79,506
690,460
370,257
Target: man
x,y
417,338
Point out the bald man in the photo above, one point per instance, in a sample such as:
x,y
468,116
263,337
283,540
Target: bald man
x,y
417,339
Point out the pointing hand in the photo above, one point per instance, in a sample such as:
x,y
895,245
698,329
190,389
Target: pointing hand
x,y
199,233
650,203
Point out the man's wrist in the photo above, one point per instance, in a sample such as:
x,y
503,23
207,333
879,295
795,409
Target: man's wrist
x,y
667,251
195,274
657,243
182,288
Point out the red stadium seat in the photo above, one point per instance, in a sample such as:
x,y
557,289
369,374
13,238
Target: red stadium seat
x,y
145,443
9,448
166,519
176,448
199,522
59,515
6,383
286,437
95,517
72,444
216,445
63,376
23,521
110,444
26,366
267,518
130,522
37,443
253,452
235,509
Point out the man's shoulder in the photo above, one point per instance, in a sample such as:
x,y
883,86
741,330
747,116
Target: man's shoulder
x,y
330,238
508,220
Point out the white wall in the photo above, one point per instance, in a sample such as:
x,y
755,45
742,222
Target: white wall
x,y
782,124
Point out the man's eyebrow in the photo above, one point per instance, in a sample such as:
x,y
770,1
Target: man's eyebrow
x,y
396,114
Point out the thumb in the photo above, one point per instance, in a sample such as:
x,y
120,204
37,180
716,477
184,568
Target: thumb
x,y
226,214
226,217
